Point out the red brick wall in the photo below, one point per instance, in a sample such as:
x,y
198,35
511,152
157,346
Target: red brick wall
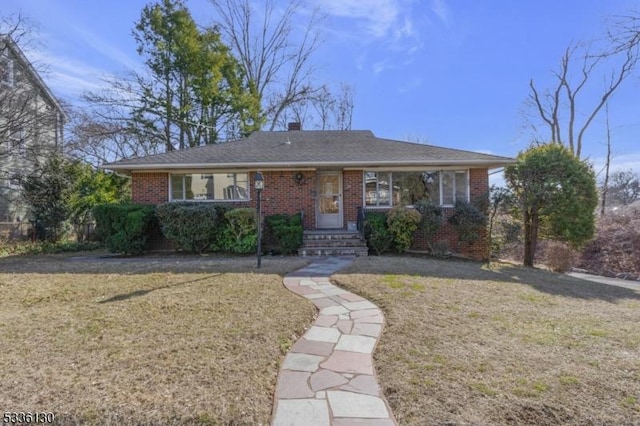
x,y
284,193
352,192
478,187
149,188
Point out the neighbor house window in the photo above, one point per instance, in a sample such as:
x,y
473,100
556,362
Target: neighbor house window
x,y
209,187
6,70
17,140
388,188
14,180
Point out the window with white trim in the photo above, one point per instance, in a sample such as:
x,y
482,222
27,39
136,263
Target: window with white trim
x,y
209,187
6,70
377,191
400,188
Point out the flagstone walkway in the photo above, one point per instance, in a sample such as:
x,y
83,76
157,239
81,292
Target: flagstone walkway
x,y
327,378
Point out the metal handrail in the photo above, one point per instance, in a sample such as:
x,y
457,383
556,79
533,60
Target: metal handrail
x,y
360,221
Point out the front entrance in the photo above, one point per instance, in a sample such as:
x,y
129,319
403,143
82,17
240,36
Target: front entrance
x,y
329,202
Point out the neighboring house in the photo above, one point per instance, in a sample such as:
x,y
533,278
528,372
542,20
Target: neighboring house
x,y
327,175
31,123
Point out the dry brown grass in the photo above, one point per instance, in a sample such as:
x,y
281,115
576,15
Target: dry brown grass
x,y
146,341
470,344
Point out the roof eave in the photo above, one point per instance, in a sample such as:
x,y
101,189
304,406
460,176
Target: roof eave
x,y
489,163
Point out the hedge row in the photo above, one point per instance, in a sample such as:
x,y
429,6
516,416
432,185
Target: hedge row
x,y
191,227
195,228
391,230
394,229
283,233
123,228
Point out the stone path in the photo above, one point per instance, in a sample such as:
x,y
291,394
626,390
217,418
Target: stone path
x,y
327,378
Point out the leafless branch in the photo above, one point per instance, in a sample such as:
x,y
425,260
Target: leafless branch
x,y
280,68
621,55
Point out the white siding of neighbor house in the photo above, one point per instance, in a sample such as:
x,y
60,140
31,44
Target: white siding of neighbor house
x,y
28,139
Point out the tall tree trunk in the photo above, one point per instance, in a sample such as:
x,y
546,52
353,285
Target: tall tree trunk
x,y
535,222
531,224
605,186
528,257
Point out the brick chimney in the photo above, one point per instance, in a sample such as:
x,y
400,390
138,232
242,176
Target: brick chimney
x,y
294,126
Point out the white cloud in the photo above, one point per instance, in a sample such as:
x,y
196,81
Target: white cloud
x,y
378,17
440,9
621,162
410,85
79,60
389,30
107,49
69,77
380,66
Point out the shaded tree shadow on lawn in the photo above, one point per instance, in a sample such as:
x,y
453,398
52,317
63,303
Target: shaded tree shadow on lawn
x,y
138,293
539,279
145,264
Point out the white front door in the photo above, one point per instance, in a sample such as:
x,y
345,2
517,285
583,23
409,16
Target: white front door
x,y
329,204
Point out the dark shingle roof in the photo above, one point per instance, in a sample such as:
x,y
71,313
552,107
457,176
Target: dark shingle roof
x,y
291,149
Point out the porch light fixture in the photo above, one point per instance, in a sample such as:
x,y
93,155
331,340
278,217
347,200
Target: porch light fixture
x,y
259,186
299,177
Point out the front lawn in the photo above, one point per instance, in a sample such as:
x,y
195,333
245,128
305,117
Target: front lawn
x,y
467,344
147,340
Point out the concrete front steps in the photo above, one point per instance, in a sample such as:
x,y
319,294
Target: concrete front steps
x,y
333,243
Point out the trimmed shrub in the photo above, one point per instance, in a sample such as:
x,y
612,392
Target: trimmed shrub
x,y
376,232
192,227
283,233
468,220
402,222
123,228
239,233
432,219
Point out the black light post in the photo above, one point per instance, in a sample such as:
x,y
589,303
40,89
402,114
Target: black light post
x,y
259,185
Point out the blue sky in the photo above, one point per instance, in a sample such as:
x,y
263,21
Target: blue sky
x,y
448,72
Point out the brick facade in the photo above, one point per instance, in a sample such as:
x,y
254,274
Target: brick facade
x,y
353,192
288,192
478,188
150,188
293,192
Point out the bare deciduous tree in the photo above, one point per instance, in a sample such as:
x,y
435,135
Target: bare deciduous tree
x,y
103,130
607,167
625,187
263,41
559,108
97,137
324,109
30,117
23,115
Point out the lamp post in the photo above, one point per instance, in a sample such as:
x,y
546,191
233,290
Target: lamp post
x,y
259,185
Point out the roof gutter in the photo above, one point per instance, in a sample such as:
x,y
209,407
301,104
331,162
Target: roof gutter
x,y
296,165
